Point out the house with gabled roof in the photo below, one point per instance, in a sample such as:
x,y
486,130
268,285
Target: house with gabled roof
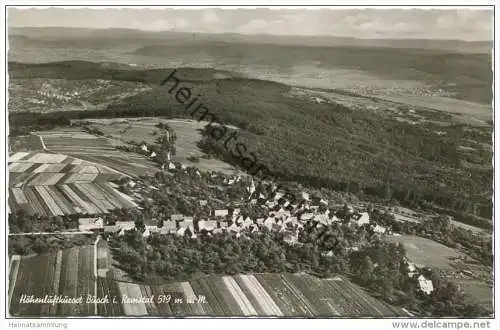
x,y
221,213
362,219
88,224
125,225
169,227
306,216
208,225
269,222
425,285
291,237
177,217
322,218
247,223
234,228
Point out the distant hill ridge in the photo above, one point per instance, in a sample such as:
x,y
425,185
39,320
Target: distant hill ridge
x,y
149,37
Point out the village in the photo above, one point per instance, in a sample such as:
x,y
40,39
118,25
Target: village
x,y
276,214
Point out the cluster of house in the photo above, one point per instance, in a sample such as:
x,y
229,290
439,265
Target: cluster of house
x,y
281,216
425,285
49,91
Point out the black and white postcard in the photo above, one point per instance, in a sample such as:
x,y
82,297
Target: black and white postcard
x,y
241,162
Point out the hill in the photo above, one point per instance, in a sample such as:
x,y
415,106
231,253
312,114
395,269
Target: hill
x,y
69,33
418,156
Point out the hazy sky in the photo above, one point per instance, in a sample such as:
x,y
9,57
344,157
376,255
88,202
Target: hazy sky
x,y
466,24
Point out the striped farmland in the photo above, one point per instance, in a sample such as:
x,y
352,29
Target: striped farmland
x,y
52,184
263,295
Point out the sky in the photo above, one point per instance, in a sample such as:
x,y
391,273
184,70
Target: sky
x,y
465,24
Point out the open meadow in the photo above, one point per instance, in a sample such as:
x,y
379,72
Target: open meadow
x,y
451,263
144,130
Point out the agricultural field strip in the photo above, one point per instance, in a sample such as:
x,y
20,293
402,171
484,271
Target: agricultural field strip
x,y
363,301
288,303
132,290
262,296
216,308
34,201
92,197
57,279
19,195
49,202
108,191
17,156
253,300
239,296
297,293
350,303
76,199
15,260
19,167
84,196
97,194
60,200
309,289
190,295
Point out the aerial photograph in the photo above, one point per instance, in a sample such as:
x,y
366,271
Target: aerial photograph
x,y
249,162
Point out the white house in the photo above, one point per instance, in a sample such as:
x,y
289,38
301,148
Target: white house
x,y
363,219
177,217
187,223
247,223
278,195
271,204
269,222
379,229
305,196
203,202
221,213
87,224
207,225
144,147
335,218
322,218
425,285
168,227
306,216
125,225
153,154
234,228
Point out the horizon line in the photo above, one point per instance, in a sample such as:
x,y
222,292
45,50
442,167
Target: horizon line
x,y
249,34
